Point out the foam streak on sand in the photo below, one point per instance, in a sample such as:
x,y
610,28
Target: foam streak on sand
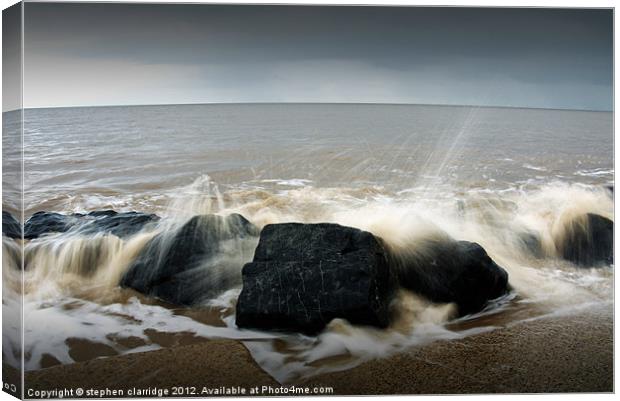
x,y
52,322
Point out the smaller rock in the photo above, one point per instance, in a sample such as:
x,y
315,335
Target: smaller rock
x,y
105,221
532,243
198,261
11,226
587,240
119,224
42,223
445,271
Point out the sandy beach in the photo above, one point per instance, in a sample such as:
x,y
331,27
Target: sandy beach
x,y
559,354
556,355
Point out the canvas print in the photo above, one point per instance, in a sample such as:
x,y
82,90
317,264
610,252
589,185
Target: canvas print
x,y
213,199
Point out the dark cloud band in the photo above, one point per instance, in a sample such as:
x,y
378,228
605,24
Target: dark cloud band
x,y
556,58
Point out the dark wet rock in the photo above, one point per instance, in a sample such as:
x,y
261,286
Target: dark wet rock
x,y
102,213
105,221
42,223
587,240
119,224
305,275
531,243
444,270
197,261
11,226
610,189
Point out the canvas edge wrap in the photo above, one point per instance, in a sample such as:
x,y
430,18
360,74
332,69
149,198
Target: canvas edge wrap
x,y
12,191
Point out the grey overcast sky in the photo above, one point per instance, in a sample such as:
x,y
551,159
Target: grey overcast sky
x,y
108,54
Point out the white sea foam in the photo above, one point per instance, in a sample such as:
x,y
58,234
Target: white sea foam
x,y
423,322
49,323
596,172
535,168
293,182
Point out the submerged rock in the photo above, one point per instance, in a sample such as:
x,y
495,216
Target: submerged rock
x,y
11,226
42,223
531,242
444,270
119,224
195,262
305,275
587,240
106,221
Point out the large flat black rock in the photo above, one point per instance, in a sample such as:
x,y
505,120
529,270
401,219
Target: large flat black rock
x,y
305,275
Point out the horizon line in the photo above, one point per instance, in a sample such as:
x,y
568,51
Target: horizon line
x,y
312,103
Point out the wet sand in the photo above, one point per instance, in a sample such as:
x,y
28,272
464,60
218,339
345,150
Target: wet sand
x,y
214,364
562,354
558,355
